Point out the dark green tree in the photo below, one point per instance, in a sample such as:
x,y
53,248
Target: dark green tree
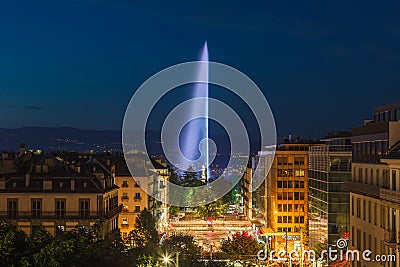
x,y
212,210
184,244
240,247
145,230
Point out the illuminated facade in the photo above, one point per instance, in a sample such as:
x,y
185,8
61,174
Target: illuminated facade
x,y
329,203
287,195
58,195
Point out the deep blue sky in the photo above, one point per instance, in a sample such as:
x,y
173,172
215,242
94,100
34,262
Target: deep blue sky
x,y
322,66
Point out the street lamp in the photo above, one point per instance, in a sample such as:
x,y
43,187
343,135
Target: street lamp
x,y
167,260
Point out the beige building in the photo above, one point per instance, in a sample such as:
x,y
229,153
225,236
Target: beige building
x,y
374,189
131,196
59,195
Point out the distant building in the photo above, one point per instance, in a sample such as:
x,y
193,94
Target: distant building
x,y
374,189
329,203
59,195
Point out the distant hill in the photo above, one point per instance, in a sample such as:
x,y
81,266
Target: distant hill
x,y
72,139
64,138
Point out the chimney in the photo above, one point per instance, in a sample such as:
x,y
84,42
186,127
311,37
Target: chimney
x,y
4,155
2,183
113,170
108,162
47,184
22,149
27,179
72,185
78,169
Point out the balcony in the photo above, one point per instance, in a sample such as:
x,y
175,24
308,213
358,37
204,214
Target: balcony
x,y
124,198
390,195
57,215
137,199
389,236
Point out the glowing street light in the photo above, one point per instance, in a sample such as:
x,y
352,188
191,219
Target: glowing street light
x,y
167,260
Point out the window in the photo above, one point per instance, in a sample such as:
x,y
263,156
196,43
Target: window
x,y
12,207
358,208
299,161
125,196
124,183
282,161
60,208
375,213
280,220
352,206
36,207
299,173
124,221
364,209
394,180
137,195
137,208
84,208
369,211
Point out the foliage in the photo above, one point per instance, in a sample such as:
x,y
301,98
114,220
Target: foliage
x,y
79,247
185,245
145,230
239,247
212,210
174,210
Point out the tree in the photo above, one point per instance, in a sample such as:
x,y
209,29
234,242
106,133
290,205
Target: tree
x,y
145,230
184,244
240,247
79,247
212,210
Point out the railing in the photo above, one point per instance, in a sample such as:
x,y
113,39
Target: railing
x,y
58,215
137,199
390,195
124,198
390,236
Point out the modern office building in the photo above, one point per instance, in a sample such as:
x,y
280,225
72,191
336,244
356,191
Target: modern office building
x,y
329,203
286,191
374,215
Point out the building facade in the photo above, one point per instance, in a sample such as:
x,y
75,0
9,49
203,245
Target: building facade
x,y
58,195
373,214
329,202
286,187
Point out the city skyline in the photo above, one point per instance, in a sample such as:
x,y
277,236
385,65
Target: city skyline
x,y
96,53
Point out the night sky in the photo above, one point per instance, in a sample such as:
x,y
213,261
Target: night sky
x,y
322,66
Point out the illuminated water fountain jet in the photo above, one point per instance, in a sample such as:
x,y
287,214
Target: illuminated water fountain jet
x,y
197,129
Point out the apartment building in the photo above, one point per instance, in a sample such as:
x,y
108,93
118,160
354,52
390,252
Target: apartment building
x,y
59,195
374,218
